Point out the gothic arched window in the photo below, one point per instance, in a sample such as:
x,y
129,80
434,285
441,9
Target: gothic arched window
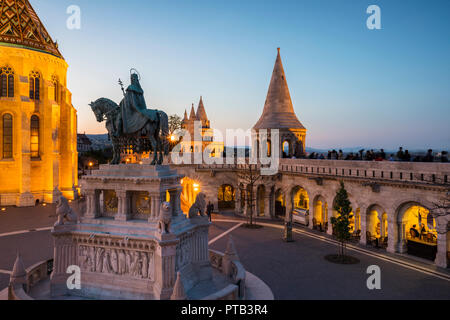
x,y
7,136
56,92
34,137
35,81
6,82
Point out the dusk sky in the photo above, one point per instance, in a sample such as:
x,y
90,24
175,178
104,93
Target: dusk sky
x,y
350,86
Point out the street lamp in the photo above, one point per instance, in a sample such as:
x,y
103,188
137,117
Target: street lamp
x,y
91,164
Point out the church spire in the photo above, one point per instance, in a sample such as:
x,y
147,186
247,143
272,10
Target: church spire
x,y
201,112
185,116
278,110
192,115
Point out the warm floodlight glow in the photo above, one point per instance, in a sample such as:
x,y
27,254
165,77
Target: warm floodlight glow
x,y
173,138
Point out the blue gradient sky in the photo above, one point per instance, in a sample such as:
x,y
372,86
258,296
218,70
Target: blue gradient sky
x,y
350,86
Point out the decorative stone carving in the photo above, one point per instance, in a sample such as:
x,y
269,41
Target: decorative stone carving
x,y
178,290
18,274
165,218
198,207
134,264
64,212
229,256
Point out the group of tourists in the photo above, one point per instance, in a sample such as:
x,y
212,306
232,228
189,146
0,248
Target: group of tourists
x,y
371,155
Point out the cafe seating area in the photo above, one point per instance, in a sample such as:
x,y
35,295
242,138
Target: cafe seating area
x,y
376,241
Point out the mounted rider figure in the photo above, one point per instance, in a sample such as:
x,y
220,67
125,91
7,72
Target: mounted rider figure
x,y
134,112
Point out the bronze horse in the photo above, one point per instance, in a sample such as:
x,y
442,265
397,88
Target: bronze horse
x,y
153,136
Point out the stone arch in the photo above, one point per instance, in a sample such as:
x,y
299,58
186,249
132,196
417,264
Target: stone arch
x,y
300,198
319,217
226,197
280,202
191,188
406,219
376,224
286,147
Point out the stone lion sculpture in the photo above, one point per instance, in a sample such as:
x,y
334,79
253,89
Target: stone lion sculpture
x,y
198,207
64,212
165,218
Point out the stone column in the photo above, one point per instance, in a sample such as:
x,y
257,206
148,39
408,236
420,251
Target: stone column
x,y
123,208
267,204
65,255
92,204
442,239
247,196
330,225
238,201
165,276
363,217
175,201
393,235
402,245
289,202
312,214
155,206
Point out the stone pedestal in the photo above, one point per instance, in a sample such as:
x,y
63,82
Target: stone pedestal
x,y
133,247
25,199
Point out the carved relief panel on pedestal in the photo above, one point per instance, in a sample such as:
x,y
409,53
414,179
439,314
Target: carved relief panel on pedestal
x,y
117,261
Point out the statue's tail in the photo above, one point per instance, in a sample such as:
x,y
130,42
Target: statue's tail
x,y
164,127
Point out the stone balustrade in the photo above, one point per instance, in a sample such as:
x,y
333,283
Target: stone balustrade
x,y
234,291
34,274
389,171
404,172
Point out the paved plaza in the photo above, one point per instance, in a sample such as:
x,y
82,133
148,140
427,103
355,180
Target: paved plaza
x,y
294,270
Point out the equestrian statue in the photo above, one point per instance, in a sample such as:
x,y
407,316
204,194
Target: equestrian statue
x,y
131,125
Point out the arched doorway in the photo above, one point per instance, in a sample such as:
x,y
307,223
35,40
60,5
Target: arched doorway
x,y
320,214
286,149
377,226
191,189
261,196
417,231
300,198
280,204
300,205
226,197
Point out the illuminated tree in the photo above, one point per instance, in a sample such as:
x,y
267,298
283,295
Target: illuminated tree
x,y
341,224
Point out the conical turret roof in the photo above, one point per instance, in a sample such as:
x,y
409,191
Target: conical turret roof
x,y
192,116
178,290
185,116
18,273
20,26
278,110
201,112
